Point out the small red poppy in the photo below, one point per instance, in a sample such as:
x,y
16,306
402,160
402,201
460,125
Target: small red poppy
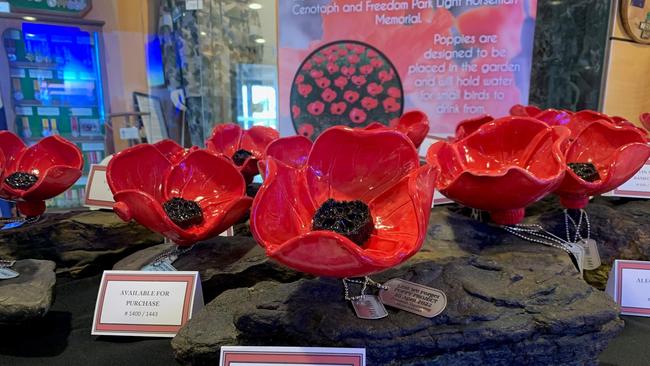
x,y
342,52
385,76
374,89
369,103
307,66
358,80
328,95
295,111
372,54
306,129
338,108
366,69
304,90
348,70
300,79
332,58
354,59
358,115
316,74
351,96
316,108
391,105
318,59
332,67
376,63
394,92
323,83
341,82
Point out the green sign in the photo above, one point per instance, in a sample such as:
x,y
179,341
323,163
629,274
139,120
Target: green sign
x,y
77,8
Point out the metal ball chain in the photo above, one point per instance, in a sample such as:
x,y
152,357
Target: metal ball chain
x,y
367,281
13,220
578,236
539,235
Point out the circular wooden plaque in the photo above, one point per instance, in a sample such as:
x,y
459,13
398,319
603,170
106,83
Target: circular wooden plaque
x,y
635,15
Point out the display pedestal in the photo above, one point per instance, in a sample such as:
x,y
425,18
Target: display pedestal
x,y
510,302
223,263
81,243
30,295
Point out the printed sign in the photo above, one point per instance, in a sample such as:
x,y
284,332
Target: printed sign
x,y
146,304
98,194
358,62
638,186
629,286
294,356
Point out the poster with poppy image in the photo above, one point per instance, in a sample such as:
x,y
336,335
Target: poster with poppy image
x,y
347,62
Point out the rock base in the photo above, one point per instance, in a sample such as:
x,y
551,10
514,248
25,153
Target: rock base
x,y
80,243
520,304
223,263
30,295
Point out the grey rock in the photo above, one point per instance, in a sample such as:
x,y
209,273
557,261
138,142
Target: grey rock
x,y
508,307
30,295
223,263
80,243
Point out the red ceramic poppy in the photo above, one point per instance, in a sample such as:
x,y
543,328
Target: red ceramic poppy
x,y
414,124
377,167
52,165
243,147
617,151
146,183
468,126
524,110
502,167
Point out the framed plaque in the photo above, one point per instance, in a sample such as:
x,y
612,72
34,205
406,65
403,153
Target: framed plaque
x,y
635,16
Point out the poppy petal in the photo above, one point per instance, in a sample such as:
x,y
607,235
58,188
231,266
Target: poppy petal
x,y
324,253
257,138
204,176
353,164
282,208
171,150
142,168
145,209
47,153
415,125
11,147
468,126
293,150
52,183
225,139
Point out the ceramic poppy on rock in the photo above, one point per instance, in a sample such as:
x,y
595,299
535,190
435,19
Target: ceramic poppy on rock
x,y
504,166
344,83
186,196
243,147
602,156
414,124
353,203
31,175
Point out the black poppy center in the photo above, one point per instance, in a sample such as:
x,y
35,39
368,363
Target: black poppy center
x,y
21,180
240,156
586,171
182,212
351,219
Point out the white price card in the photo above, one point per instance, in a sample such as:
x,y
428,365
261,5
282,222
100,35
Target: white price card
x,y
629,286
146,304
295,356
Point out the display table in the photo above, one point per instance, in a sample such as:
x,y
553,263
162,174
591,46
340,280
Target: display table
x,y
508,300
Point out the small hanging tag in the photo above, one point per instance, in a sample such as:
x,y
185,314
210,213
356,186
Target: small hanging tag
x,y
369,307
414,298
592,255
578,253
6,273
161,265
